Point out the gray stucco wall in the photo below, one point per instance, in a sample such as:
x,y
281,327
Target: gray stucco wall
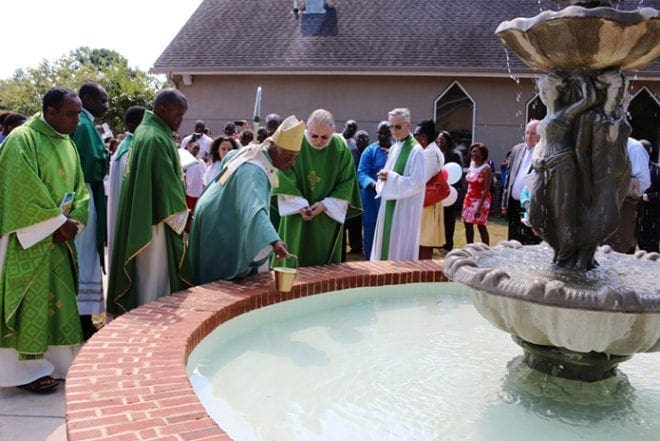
x,y
500,102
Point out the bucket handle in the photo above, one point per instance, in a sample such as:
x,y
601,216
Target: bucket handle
x,y
288,257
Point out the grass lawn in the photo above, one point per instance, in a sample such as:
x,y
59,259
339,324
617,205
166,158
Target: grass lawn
x,y
497,230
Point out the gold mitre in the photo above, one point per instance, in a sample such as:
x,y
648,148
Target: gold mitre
x,y
289,134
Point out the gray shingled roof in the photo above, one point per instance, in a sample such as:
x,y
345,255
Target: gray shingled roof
x,y
355,35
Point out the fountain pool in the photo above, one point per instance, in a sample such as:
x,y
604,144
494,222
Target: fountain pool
x,y
403,362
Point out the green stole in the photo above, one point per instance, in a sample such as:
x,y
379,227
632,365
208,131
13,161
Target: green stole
x,y
399,167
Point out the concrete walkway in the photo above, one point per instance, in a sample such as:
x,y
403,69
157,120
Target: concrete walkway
x,y
25,416
32,417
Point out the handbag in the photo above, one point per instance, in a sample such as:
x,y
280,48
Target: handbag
x,y
437,189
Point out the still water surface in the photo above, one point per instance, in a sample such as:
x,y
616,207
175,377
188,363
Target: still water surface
x,y
406,362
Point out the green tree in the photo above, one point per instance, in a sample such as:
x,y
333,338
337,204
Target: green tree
x,y
125,86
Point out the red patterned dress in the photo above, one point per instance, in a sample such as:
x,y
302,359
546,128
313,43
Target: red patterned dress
x,y
476,181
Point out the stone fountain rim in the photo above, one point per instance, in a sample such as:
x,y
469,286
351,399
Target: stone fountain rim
x,y
632,17
461,266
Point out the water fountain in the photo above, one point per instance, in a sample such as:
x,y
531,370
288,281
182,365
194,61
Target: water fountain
x,y
591,308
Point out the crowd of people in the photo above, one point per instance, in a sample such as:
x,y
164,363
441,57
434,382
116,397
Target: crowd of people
x,y
176,211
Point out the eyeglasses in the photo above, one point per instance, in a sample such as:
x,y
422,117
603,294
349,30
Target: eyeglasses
x,y
395,126
323,137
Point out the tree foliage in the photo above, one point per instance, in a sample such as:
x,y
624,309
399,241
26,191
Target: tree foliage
x,y
125,86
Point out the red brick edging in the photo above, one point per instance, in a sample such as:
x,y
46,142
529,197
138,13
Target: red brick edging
x,y
129,381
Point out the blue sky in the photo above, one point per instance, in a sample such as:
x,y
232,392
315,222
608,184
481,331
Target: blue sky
x,y
139,30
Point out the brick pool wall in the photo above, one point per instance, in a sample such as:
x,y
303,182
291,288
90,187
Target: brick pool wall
x,y
129,381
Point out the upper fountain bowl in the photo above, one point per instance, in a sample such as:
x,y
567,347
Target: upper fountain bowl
x,y
582,39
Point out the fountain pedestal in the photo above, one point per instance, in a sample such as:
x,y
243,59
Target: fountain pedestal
x,y
560,362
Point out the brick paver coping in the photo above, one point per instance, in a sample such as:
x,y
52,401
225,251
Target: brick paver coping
x,y
129,381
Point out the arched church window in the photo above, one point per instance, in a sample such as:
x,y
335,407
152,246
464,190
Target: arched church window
x,y
455,112
535,109
644,117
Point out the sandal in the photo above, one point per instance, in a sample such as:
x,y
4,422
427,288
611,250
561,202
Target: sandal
x,y
41,385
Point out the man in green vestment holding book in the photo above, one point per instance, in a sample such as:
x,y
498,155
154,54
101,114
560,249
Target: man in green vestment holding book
x,y
149,255
43,205
232,235
318,194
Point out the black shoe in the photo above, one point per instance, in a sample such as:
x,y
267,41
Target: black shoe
x,y
43,385
88,327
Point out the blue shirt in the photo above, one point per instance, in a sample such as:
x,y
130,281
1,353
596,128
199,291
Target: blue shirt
x,y
372,161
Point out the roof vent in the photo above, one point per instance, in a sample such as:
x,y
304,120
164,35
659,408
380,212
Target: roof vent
x,y
318,24
315,7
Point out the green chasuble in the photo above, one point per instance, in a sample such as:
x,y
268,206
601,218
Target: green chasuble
x,y
38,285
232,224
152,191
318,174
94,161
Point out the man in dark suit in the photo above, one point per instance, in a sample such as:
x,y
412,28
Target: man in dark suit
x,y
648,231
519,166
353,225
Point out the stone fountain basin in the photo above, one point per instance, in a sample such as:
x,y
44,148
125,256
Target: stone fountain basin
x,y
577,38
618,321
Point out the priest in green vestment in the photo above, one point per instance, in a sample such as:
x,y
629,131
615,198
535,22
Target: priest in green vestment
x,y
43,205
232,235
318,194
91,148
149,258
91,243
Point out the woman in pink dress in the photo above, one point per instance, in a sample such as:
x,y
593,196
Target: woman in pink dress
x,y
476,204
